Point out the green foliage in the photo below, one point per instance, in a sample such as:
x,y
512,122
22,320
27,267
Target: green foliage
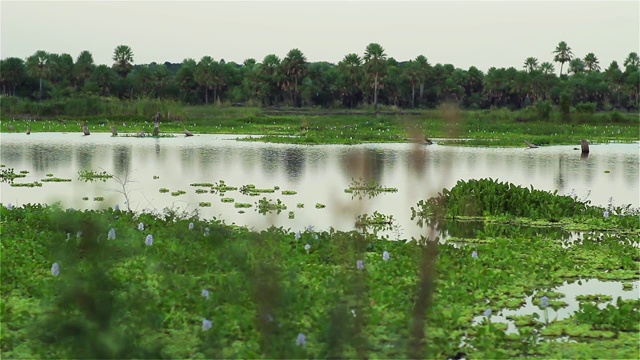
x,y
90,176
623,316
264,206
370,188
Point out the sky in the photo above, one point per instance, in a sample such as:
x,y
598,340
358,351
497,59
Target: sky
x,y
463,33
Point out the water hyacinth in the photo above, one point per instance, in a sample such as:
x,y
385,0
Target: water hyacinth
x,y
206,231
117,207
112,234
205,294
544,301
605,213
310,228
55,269
191,226
141,227
298,235
9,206
360,264
149,240
487,313
474,254
206,324
307,247
385,256
301,340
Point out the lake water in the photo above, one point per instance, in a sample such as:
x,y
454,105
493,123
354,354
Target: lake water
x,y
319,174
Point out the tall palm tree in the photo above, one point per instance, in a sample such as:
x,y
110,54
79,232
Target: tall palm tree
x,y
350,69
591,62
83,68
632,60
374,64
547,70
39,65
270,78
412,73
424,68
295,67
576,66
123,57
205,75
563,54
531,64
614,77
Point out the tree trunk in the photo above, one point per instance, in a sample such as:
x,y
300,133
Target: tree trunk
x,y
206,95
413,96
41,88
375,93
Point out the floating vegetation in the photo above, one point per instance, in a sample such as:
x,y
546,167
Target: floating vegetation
x,y
227,200
597,298
90,175
55,179
85,198
8,175
1,165
627,286
376,219
251,190
300,205
98,198
204,204
201,191
156,177
242,205
221,187
164,190
178,193
320,206
49,175
24,172
369,188
292,215
202,184
265,205
607,171
289,192
31,184
276,188
241,211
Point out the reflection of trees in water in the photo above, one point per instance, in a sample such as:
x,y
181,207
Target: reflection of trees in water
x,y
480,229
13,154
588,168
270,160
472,160
121,159
44,157
187,159
630,170
368,164
85,156
294,161
559,179
417,160
248,158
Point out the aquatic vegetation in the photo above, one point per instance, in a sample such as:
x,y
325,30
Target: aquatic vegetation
x,y
55,179
289,192
178,193
24,172
164,190
204,204
227,200
49,175
202,184
370,188
292,215
156,177
596,298
376,219
98,198
264,206
242,205
8,175
201,191
221,187
300,205
251,190
320,206
85,198
31,184
90,175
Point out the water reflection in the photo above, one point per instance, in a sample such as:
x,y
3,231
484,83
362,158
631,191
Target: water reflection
x,y
319,174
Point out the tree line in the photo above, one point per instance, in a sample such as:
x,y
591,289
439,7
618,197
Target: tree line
x,y
369,79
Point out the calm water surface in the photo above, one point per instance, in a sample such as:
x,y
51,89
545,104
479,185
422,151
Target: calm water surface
x,y
319,174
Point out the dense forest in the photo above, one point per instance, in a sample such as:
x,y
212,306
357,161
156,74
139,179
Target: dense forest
x,y
372,78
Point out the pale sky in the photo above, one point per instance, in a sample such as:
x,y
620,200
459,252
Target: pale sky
x,y
462,33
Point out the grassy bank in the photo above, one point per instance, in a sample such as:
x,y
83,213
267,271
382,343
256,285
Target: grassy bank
x,y
499,127
117,284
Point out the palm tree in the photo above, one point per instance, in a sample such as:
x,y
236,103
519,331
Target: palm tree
x,y
295,67
591,62
412,73
83,68
632,60
12,74
123,57
424,68
205,74
39,65
270,78
374,63
350,69
576,66
614,77
563,54
547,70
531,64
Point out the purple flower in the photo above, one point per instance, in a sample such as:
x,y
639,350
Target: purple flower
x,y
474,254
487,313
55,269
9,206
359,264
149,240
544,301
141,227
605,213
191,226
206,324
310,228
307,247
205,293
301,340
298,235
117,207
112,234
385,256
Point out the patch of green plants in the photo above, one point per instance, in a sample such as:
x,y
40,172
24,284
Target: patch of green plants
x,y
292,215
24,172
227,200
98,198
55,179
594,298
300,205
624,315
85,198
29,184
289,192
8,175
91,175
204,204
201,191
178,193
242,205
375,219
164,190
264,206
320,206
251,190
49,175
369,188
627,286
202,184
221,187
156,177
